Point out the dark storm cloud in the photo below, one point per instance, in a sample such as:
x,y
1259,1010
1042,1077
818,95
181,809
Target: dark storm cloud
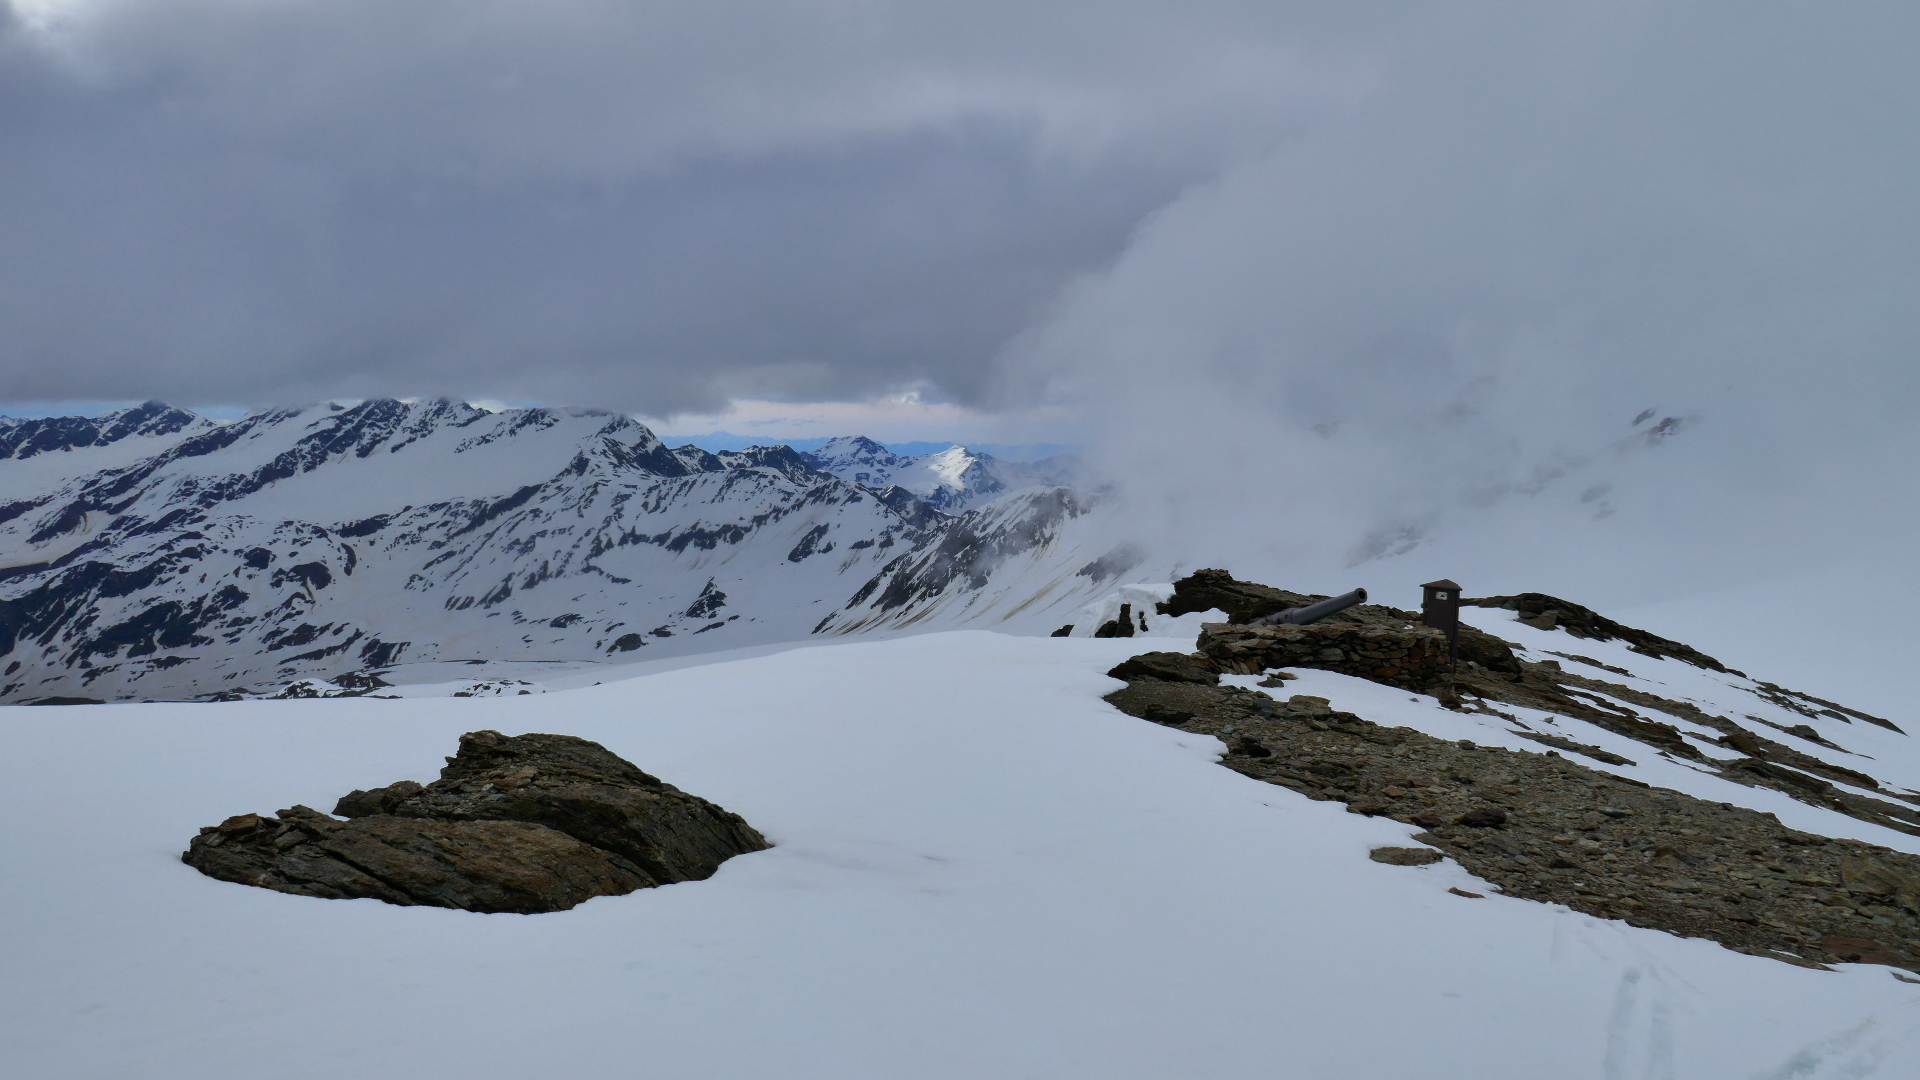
x,y
655,205
1326,277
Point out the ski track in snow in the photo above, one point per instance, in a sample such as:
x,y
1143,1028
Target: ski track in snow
x,y
982,870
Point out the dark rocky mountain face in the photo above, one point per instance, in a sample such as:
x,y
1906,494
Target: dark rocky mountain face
x,y
23,439
219,560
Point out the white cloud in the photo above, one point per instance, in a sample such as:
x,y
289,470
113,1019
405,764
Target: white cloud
x,y
1548,220
900,418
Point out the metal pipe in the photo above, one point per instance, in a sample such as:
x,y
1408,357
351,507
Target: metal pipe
x,y
1301,616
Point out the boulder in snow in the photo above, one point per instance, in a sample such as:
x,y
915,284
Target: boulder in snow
x,y
525,824
1167,667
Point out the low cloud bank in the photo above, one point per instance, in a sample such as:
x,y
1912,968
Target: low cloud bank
x,y
1416,339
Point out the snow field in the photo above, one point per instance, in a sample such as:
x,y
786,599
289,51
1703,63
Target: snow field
x,y
981,870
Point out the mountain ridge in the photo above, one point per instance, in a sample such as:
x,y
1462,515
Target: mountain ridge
x,y
302,542
951,480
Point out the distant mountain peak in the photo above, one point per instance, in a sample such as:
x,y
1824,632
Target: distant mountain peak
x,y
21,439
153,554
952,480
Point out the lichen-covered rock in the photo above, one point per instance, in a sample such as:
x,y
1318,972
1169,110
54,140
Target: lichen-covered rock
x,y
526,824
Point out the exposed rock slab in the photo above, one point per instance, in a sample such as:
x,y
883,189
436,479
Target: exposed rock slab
x,y
1543,827
527,823
1552,613
471,865
1168,666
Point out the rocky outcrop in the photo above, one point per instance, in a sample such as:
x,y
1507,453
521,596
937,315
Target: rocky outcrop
x,y
1245,601
1168,666
1545,612
526,824
1543,827
1388,645
1627,711
472,865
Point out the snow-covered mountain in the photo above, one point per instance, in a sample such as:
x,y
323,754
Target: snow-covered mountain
x,y
153,554
39,454
954,480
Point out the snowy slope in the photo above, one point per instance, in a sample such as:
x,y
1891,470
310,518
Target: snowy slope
x,y
953,480
981,870
1020,560
304,543
1891,757
1820,747
38,455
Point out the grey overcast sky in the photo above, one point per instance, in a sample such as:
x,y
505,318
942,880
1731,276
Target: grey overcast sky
x,y
1450,296
1378,267
665,205
653,205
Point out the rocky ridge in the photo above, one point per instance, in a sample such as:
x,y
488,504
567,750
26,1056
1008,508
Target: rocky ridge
x,y
1547,827
155,555
1545,612
21,439
526,824
1389,645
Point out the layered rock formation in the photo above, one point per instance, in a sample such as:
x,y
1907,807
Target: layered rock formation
x,y
526,824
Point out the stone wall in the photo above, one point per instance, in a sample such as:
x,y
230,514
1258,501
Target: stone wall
x,y
1413,657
